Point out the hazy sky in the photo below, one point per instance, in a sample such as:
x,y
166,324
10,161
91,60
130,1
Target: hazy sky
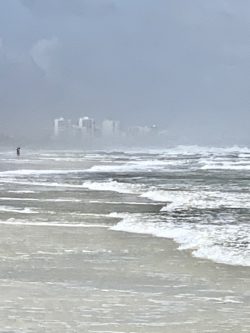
x,y
182,64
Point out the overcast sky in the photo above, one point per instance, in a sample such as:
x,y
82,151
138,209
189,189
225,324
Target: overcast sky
x,y
182,64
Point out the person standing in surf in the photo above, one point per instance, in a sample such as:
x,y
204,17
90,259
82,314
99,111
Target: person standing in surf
x,y
18,151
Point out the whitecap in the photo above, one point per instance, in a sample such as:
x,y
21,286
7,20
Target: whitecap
x,y
199,199
28,172
11,209
113,186
219,243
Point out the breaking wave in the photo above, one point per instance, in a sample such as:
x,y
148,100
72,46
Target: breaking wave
x,y
28,172
183,200
139,166
10,209
224,243
114,186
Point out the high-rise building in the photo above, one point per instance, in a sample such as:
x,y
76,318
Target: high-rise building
x,y
137,131
62,126
111,128
87,126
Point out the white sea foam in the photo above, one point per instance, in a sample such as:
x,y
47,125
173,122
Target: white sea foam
x,y
52,224
122,202
118,168
22,191
28,172
226,166
199,150
136,166
11,209
228,161
224,243
113,186
17,199
40,199
200,199
176,199
190,150
110,185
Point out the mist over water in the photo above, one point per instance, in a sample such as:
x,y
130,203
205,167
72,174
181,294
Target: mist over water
x,y
127,209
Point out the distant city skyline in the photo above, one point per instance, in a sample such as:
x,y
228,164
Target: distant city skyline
x,y
182,64
86,128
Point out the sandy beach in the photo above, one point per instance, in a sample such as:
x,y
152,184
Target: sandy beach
x,y
91,279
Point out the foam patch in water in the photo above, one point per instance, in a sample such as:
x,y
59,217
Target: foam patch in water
x,y
228,244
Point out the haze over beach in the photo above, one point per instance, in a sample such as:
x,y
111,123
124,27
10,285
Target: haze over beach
x,y
124,166
183,66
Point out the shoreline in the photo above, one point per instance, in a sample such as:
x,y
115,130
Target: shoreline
x,y
81,272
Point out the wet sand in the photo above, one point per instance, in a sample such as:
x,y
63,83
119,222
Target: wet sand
x,y
93,279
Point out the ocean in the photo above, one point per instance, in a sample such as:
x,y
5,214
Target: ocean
x,y
139,240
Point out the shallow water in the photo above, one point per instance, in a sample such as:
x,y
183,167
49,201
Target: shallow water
x,y
137,241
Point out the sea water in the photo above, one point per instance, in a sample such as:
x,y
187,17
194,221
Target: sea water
x,y
125,241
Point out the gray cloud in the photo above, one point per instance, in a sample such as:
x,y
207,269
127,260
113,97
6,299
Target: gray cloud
x,y
182,64
65,8
42,53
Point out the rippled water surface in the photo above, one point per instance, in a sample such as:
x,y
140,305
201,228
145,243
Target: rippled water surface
x,y
135,241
